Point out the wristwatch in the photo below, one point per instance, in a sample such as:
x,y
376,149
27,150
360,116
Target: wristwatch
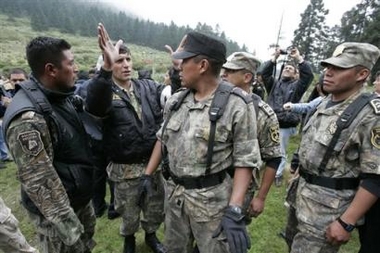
x,y
348,227
235,209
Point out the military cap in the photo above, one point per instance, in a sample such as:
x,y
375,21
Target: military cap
x,y
195,43
351,54
242,60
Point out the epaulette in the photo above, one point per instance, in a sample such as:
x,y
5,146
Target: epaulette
x,y
375,103
242,94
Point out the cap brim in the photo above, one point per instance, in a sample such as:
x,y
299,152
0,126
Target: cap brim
x,y
230,65
183,55
341,62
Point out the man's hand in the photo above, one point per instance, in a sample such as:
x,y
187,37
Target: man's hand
x,y
256,206
233,225
145,190
176,63
110,52
295,54
336,235
288,106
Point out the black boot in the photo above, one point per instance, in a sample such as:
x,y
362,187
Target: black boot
x,y
129,244
152,241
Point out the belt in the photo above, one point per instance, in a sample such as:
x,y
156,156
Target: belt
x,y
200,182
340,183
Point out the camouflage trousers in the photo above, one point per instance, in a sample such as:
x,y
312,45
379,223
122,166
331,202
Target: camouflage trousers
x,y
126,193
316,208
11,238
292,222
50,242
195,215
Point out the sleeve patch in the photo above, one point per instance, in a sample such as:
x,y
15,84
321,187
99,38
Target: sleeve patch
x,y
30,142
375,137
275,134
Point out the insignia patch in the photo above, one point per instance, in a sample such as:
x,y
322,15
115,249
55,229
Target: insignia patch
x,y
30,142
376,105
375,137
274,134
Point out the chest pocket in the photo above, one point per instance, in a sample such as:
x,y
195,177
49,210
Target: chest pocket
x,y
172,129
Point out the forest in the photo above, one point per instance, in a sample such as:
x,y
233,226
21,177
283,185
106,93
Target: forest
x,y
313,36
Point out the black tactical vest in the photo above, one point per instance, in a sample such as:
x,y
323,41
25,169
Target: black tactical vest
x,y
72,157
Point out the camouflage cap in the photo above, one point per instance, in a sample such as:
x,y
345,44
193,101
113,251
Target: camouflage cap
x,y
351,54
195,43
242,60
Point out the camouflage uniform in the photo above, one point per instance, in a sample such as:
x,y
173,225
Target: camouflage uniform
x,y
196,213
319,206
58,226
11,238
127,178
269,142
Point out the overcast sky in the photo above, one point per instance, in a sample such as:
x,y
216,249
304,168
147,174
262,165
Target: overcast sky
x,y
253,23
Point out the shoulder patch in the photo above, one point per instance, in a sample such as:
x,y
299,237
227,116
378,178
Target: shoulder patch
x,y
30,142
375,103
241,93
375,137
274,132
266,108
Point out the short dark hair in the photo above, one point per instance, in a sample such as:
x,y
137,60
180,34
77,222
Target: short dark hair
x,y
43,50
215,65
124,49
17,71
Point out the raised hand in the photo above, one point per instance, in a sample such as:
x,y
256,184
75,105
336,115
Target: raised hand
x,y
109,50
176,63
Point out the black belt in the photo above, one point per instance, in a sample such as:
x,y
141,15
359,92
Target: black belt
x,y
341,183
200,182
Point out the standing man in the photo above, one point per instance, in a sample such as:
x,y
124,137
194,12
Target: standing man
x,y
132,115
289,88
339,180
240,70
205,204
16,76
47,139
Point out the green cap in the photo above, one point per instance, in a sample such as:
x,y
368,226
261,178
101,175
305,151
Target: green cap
x,y
242,60
352,54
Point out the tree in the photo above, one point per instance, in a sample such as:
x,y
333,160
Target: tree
x,y
362,24
311,34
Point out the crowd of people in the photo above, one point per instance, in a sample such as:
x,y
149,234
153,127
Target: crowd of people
x,y
197,154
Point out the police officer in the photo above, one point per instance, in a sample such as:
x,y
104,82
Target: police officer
x,y
331,200
240,70
11,238
131,114
205,204
47,139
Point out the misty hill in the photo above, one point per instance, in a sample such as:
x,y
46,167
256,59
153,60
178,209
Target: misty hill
x,y
16,33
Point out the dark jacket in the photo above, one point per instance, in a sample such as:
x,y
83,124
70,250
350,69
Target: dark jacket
x,y
127,138
72,158
281,92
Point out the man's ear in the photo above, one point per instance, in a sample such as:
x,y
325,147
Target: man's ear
x,y
362,75
50,69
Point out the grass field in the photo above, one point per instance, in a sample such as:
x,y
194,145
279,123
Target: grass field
x,y
263,230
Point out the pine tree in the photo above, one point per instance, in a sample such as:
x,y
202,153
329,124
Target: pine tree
x,y
311,34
